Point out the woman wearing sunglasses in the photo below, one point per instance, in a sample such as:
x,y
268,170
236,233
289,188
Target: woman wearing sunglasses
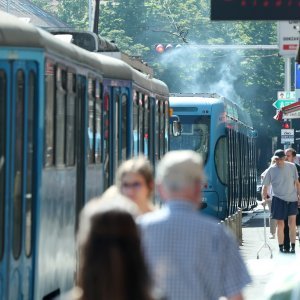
x,y
135,181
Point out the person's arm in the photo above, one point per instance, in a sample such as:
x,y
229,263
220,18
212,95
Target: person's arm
x,y
236,297
297,184
264,194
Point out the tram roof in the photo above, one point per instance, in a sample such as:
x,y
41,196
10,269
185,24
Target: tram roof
x,y
233,110
16,33
195,99
114,68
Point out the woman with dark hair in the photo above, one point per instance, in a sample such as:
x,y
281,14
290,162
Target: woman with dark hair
x,y
111,263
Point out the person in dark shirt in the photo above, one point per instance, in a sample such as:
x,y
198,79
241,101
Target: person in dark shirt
x,y
291,156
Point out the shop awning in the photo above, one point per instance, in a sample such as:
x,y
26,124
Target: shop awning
x,y
291,111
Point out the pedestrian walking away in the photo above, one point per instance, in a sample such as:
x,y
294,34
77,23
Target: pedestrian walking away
x,y
283,177
291,155
190,256
272,222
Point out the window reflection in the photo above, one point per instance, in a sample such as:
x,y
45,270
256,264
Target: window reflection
x,y
194,135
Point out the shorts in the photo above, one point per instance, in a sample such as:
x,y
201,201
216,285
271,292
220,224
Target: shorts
x,y
282,209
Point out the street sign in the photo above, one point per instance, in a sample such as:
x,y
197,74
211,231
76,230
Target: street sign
x,y
288,38
297,136
292,115
286,95
282,102
287,136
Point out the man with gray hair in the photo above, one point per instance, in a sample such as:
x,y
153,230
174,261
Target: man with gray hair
x,y
189,254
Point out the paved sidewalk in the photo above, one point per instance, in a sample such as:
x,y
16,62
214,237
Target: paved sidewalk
x,y
262,270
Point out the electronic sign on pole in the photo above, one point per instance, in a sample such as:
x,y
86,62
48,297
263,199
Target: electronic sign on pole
x,y
233,10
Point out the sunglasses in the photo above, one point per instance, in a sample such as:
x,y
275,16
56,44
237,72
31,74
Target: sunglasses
x,y
133,185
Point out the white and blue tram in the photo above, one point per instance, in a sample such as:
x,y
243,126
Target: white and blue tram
x,y
223,134
68,118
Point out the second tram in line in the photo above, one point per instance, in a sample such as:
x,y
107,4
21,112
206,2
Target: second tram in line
x,y
222,133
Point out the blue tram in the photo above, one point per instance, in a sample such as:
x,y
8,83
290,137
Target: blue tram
x,y
68,118
223,134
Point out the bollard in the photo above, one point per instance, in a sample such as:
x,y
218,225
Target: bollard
x,y
240,213
237,227
230,223
226,222
233,224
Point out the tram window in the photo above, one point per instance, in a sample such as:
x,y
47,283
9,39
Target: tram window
x,y
157,129
162,129
194,136
221,161
98,123
91,122
30,151
18,165
3,100
166,115
60,114
124,126
135,124
106,130
146,126
117,130
141,123
70,119
49,114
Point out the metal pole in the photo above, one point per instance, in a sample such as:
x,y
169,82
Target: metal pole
x,y
287,84
96,16
287,74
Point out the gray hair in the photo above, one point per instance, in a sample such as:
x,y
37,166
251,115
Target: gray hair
x,y
179,169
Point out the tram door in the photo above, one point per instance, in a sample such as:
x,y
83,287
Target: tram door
x,y
119,129
18,130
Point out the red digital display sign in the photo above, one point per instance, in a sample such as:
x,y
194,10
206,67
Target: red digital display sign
x,y
234,10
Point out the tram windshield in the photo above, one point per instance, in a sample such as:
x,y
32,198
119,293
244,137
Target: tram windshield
x,y
194,135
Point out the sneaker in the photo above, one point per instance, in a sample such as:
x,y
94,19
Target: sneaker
x,y
272,236
292,251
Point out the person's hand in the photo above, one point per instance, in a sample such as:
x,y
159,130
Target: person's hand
x,y
264,202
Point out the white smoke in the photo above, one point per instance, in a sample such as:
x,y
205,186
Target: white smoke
x,y
194,65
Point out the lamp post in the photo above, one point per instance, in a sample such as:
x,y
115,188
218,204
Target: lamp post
x,y
96,16
90,15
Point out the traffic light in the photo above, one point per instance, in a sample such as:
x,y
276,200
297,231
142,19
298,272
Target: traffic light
x,y
161,48
286,125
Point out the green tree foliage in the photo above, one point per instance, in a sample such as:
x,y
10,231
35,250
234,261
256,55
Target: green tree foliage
x,y
74,13
120,22
249,77
44,4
